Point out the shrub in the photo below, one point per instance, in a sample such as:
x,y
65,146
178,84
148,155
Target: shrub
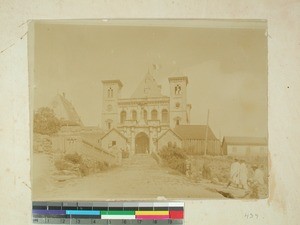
x,y
167,152
191,150
84,170
101,166
177,164
46,122
61,165
73,158
174,157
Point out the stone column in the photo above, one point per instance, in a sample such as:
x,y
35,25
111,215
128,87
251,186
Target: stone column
x,y
152,138
132,142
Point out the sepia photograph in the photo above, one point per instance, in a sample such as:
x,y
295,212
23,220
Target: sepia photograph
x,y
148,109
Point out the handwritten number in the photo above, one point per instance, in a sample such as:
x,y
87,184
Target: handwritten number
x,y
251,216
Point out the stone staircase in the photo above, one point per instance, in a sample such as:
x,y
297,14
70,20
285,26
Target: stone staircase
x,y
142,161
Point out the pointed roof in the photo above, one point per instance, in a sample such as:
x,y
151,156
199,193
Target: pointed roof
x,y
148,88
169,130
65,111
117,131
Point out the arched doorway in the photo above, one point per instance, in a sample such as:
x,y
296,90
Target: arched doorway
x,y
141,143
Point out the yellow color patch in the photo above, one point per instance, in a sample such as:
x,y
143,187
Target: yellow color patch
x,y
151,213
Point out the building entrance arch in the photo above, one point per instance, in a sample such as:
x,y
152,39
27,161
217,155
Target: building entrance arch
x,y
141,143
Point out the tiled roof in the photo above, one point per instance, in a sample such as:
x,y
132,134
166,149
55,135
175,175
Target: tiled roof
x,y
148,88
194,132
245,140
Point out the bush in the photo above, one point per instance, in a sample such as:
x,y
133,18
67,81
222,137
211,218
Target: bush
x,y
101,166
191,151
73,158
174,158
61,165
45,121
75,162
84,170
167,152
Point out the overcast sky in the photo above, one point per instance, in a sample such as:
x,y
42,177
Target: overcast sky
x,y
226,67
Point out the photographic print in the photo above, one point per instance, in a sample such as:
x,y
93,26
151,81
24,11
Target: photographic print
x,y
149,109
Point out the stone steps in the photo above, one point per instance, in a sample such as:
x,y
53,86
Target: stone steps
x,y
140,161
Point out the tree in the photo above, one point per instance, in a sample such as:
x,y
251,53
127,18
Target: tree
x,y
45,121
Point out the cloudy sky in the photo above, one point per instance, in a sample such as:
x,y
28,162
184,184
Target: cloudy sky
x,y
226,67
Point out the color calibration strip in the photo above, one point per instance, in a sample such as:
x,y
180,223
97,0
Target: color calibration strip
x,y
104,212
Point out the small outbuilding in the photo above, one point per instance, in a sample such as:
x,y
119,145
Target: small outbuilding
x,y
245,146
197,138
113,139
169,138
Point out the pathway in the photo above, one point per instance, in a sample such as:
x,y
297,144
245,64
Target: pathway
x,y
140,177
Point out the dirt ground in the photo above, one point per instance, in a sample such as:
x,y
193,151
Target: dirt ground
x,y
139,178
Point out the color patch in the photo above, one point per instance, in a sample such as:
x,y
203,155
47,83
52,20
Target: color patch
x,y
152,217
140,213
83,212
48,212
117,212
176,214
118,217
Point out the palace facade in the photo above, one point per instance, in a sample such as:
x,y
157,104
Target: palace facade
x,y
144,117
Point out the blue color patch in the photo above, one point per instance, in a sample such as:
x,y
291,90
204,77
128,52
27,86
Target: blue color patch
x,y
83,212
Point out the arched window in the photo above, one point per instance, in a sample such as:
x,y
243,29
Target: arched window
x,y
109,124
123,116
165,116
177,89
110,92
154,114
134,115
145,115
177,120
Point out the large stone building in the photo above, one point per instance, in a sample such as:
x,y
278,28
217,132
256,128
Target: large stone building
x,y
147,115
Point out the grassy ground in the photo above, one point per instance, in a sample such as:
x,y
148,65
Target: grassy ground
x,y
214,169
220,165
